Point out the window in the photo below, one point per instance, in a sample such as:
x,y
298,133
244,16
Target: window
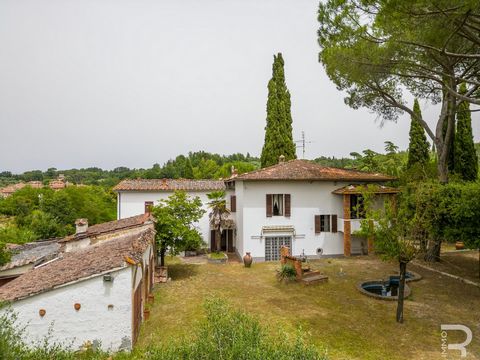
x,y
324,223
148,206
233,203
277,204
357,208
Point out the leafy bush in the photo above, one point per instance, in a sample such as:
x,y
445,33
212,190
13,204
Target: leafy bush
x,y
14,235
286,272
44,213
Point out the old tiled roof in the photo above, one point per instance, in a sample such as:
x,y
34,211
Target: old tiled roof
x,y
307,170
169,185
56,184
358,189
32,253
10,189
112,226
74,266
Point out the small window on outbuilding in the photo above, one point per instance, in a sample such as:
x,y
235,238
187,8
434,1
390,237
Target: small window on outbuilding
x,y
148,206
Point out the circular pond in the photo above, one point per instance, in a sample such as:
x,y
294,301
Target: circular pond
x,y
381,289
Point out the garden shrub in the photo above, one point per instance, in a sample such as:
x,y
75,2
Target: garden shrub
x,y
225,334
229,334
286,272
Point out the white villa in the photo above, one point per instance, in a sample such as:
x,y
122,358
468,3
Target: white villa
x,y
310,208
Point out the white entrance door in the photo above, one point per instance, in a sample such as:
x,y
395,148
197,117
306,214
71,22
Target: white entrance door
x,y
273,244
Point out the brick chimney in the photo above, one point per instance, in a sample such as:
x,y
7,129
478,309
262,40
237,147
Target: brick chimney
x,y
81,226
281,159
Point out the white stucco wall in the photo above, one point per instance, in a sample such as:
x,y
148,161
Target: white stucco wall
x,y
93,322
307,200
133,203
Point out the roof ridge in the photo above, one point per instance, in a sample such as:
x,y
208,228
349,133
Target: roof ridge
x,y
303,169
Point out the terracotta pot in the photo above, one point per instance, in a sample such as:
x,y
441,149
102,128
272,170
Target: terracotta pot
x,y
247,260
459,245
146,314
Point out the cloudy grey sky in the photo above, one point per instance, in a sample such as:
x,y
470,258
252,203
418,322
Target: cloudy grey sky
x,y
133,82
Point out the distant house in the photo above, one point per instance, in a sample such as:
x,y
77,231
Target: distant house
x,y
137,196
312,209
27,256
10,189
96,294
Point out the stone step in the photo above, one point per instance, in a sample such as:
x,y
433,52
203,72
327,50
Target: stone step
x,y
311,273
311,280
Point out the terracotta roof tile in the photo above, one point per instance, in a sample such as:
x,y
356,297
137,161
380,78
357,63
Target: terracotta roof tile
x,y
93,260
10,189
358,189
57,184
112,226
169,185
307,170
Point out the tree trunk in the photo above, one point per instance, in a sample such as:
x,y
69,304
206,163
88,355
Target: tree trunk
x,y
444,134
162,255
433,252
401,291
218,238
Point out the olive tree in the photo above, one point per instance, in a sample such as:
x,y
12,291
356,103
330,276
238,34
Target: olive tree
x,y
175,223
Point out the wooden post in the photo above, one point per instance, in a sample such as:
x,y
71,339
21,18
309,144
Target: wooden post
x,y
284,251
347,237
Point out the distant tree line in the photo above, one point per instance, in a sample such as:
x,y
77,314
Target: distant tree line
x,y
30,214
195,165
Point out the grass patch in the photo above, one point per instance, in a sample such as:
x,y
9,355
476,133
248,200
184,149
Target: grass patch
x,y
217,255
333,315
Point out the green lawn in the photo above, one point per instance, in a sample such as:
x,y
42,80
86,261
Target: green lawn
x,y
332,315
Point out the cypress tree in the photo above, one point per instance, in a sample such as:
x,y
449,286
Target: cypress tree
x,y
188,171
466,160
278,131
418,147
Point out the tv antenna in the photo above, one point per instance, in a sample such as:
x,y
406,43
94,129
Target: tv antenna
x,y
302,144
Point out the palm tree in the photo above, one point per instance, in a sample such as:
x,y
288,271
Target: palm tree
x,y
218,214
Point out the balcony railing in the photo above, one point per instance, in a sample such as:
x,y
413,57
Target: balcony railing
x,y
355,224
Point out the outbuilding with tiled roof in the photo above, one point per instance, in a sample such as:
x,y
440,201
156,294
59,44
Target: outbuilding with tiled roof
x,y
94,295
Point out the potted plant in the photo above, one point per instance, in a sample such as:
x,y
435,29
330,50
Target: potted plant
x,y
146,312
459,245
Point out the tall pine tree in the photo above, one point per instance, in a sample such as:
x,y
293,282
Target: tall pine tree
x,y
466,161
278,131
418,148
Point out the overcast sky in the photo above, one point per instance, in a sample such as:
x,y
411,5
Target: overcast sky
x,y
130,83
